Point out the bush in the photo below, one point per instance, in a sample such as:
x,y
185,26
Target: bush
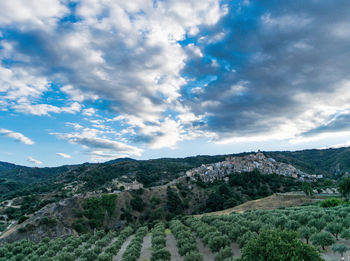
x,y
331,202
22,219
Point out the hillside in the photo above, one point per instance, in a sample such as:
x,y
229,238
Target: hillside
x,y
330,162
216,237
52,188
52,215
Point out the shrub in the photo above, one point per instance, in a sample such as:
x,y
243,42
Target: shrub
x,y
331,202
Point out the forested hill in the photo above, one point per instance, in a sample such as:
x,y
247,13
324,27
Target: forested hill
x,y
329,162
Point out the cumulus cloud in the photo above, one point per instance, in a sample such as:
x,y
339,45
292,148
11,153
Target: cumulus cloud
x,y
134,62
170,71
34,161
63,155
16,136
29,14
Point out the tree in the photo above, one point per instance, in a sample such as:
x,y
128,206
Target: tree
x,y
193,256
224,254
344,187
346,234
137,204
335,229
306,232
174,203
161,254
218,242
278,245
307,188
340,248
322,239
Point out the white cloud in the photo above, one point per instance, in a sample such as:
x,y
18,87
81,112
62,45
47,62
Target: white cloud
x,y
337,146
39,13
89,112
78,95
134,61
21,85
16,136
46,109
101,156
34,161
74,125
63,155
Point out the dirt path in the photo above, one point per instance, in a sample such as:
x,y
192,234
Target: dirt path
x,y
171,246
119,256
236,250
330,255
146,249
205,251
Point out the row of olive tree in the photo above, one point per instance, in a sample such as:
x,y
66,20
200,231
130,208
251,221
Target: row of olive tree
x,y
209,235
186,242
159,251
133,250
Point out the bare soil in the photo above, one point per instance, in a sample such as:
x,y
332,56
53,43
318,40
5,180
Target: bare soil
x,y
119,256
205,251
146,249
171,246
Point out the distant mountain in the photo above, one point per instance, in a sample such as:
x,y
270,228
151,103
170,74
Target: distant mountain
x,y
7,166
119,160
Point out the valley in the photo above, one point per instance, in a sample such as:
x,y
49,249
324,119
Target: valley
x,y
120,196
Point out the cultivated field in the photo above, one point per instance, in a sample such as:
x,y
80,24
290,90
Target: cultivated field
x,y
211,237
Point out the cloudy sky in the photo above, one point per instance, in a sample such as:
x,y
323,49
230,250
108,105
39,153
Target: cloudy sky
x,y
93,80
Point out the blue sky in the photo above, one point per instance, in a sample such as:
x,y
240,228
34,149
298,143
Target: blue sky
x,y
94,80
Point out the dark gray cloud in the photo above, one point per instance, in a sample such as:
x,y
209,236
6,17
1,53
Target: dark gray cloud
x,y
289,58
337,123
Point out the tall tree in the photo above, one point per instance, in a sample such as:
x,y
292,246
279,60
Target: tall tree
x,y
344,187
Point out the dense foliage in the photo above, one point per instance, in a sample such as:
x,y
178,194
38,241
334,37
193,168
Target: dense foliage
x,y
277,245
96,209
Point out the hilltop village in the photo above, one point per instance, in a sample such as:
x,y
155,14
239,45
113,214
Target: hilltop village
x,y
251,162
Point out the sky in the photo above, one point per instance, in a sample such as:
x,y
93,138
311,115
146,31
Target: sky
x,y
95,80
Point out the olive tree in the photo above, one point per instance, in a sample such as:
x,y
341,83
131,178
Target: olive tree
x,y
340,248
322,239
